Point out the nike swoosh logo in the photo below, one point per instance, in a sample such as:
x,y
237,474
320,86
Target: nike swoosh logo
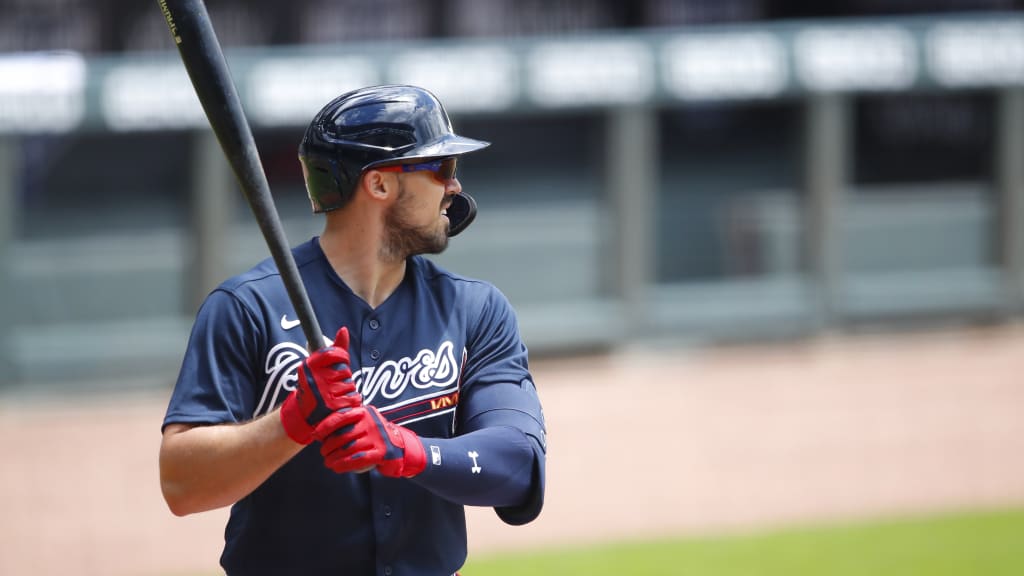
x,y
288,324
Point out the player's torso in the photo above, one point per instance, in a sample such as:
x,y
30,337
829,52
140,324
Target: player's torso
x,y
407,354
408,360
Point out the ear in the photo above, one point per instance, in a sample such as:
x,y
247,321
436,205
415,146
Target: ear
x,y
378,185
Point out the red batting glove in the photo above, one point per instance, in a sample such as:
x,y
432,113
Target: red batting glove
x,y
325,387
365,439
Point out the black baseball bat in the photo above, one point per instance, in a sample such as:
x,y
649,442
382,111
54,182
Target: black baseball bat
x,y
200,50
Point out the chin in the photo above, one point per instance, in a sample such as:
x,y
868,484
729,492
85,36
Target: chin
x,y
441,244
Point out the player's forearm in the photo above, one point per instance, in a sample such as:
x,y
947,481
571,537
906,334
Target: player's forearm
x,y
208,467
489,467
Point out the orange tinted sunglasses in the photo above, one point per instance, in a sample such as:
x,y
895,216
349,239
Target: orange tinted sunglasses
x,y
442,170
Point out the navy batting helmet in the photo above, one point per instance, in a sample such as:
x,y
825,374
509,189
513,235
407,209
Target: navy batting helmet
x,y
377,126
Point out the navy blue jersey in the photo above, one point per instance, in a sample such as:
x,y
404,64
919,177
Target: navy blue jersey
x,y
441,356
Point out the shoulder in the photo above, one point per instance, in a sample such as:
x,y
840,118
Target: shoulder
x,y
485,308
257,294
264,277
431,272
471,292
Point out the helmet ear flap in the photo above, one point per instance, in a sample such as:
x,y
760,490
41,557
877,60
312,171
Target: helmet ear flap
x,y
325,190
461,213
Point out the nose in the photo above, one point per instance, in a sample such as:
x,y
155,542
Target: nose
x,y
453,186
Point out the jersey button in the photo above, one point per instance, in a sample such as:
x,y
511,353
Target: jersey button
x,y
375,354
374,324
387,571
387,511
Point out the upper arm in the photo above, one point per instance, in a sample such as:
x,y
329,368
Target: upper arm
x,y
216,383
499,391
175,442
513,404
176,428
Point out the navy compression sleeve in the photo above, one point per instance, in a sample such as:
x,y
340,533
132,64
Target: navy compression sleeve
x,y
488,467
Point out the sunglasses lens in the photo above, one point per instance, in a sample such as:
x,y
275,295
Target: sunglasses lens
x,y
441,170
446,171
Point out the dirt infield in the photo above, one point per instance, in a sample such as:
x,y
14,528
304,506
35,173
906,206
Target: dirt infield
x,y
641,443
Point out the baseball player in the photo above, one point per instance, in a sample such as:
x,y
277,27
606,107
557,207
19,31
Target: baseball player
x,y
359,457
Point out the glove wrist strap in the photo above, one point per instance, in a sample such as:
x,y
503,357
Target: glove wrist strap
x,y
415,460
295,425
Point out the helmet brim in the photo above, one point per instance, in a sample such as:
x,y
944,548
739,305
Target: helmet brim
x,y
450,145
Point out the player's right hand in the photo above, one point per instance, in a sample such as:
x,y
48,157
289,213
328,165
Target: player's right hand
x,y
325,387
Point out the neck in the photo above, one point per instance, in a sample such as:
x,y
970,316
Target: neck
x,y
353,247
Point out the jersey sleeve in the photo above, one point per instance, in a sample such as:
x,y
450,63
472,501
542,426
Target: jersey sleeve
x,y
499,391
216,381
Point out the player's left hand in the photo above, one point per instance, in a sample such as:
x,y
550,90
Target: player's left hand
x,y
365,439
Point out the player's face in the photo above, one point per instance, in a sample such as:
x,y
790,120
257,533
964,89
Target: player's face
x,y
416,223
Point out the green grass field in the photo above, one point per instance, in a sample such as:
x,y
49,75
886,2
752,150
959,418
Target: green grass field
x,y
978,544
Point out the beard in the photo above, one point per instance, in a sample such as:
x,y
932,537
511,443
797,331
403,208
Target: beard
x,y
402,239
